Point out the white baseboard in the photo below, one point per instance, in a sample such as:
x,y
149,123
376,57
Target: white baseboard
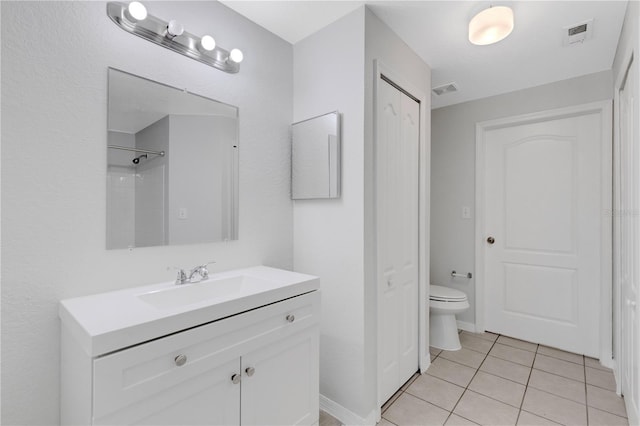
x,y
467,326
632,413
426,362
346,416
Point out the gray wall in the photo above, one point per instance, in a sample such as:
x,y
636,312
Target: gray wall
x,y
453,168
54,114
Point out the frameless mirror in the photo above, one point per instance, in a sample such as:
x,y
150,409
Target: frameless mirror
x,y
315,157
172,165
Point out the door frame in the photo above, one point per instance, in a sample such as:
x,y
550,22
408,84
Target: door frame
x,y
424,359
620,81
604,109
619,302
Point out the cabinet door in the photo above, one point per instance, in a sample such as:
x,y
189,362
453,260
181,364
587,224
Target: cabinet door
x,y
208,399
280,382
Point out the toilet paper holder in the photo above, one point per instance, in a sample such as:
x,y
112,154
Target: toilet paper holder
x,y
454,274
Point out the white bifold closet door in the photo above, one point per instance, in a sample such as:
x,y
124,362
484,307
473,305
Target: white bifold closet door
x,y
397,164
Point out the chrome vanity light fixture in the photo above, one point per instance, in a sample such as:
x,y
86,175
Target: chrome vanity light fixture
x,y
133,18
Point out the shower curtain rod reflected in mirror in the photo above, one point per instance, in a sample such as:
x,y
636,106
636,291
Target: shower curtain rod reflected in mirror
x,y
145,151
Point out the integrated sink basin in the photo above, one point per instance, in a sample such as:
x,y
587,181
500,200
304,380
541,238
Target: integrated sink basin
x,y
212,289
107,322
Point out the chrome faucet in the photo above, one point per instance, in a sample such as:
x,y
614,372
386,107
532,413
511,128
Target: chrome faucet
x,y
197,274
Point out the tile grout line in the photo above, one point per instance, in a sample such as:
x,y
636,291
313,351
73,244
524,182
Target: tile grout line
x,y
586,401
526,386
467,387
536,352
487,372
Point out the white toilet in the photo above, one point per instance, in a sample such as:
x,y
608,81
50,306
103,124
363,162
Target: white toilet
x,y
444,304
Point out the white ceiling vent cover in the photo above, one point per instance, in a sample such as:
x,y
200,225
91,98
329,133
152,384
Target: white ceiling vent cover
x,y
578,33
445,88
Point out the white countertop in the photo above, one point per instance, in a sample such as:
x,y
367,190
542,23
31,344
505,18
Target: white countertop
x,y
107,322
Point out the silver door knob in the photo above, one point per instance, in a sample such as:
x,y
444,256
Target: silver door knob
x,y
631,303
235,379
250,371
180,360
290,318
491,240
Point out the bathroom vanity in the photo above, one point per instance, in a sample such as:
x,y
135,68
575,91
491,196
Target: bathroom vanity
x,y
240,348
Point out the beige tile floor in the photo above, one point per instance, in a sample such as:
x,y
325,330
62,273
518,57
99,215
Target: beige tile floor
x,y
497,380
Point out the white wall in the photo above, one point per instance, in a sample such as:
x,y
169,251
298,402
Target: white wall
x,y
328,234
453,168
333,70
54,104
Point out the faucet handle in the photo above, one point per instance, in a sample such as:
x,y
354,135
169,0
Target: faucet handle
x,y
182,276
204,272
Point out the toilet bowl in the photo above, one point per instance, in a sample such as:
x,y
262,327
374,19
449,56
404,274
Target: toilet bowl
x,y
444,304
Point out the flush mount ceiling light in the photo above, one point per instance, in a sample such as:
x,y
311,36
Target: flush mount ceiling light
x,y
133,18
491,25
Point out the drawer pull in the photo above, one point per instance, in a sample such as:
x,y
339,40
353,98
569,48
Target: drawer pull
x,y
235,379
291,318
180,360
250,371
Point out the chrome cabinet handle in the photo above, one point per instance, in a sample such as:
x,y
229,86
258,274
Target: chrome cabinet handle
x,y
235,379
491,240
250,371
180,360
290,318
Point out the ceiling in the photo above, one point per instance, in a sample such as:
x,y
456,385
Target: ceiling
x,y
135,103
437,31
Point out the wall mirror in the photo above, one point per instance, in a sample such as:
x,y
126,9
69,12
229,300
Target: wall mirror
x,y
315,157
172,165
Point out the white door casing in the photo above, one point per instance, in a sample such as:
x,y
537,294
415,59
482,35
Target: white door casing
x,y
626,228
539,195
397,163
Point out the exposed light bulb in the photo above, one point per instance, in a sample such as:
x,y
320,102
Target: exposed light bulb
x,y
208,43
174,28
236,55
136,11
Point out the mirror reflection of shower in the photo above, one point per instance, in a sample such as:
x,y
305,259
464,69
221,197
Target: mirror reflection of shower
x,y
137,159
145,153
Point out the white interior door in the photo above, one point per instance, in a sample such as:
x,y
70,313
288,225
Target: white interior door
x,y
397,164
542,196
627,249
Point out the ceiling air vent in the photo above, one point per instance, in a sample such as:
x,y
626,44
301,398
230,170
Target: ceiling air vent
x,y
578,33
445,88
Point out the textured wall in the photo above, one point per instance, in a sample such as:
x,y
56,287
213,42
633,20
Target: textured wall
x,y
453,156
54,103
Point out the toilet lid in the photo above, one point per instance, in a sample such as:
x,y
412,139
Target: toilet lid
x,y
441,293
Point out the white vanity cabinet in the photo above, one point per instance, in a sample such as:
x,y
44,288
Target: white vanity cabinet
x,y
257,367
